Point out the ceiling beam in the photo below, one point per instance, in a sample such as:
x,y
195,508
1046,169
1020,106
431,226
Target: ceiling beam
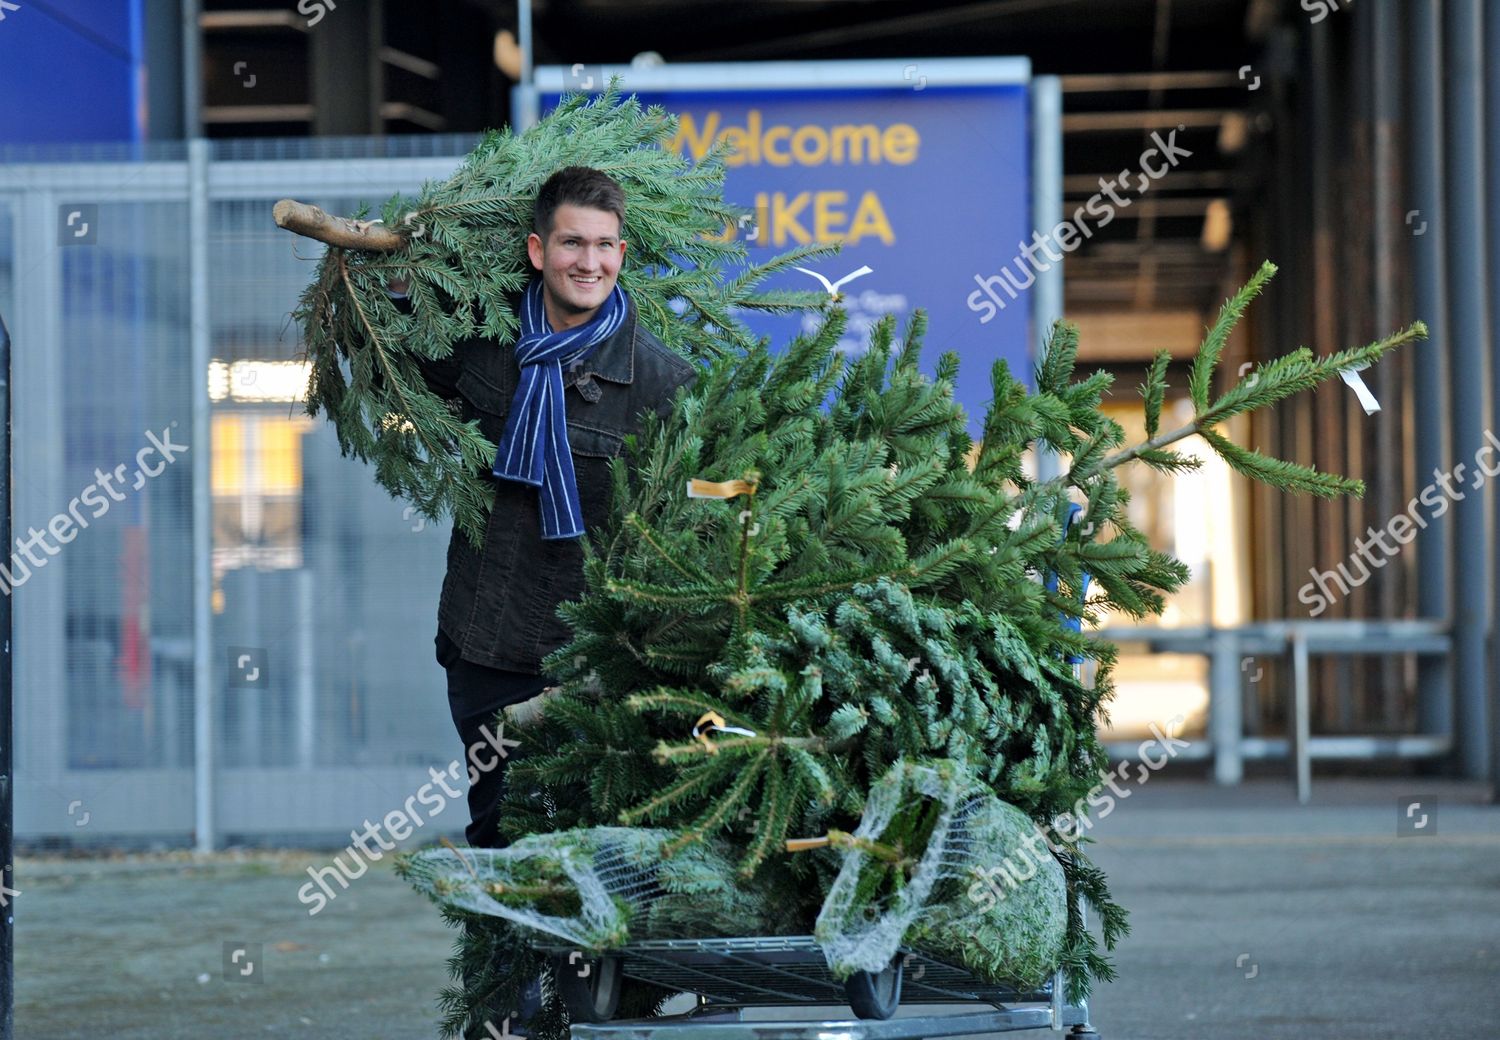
x,y
1083,185
1085,122
1108,82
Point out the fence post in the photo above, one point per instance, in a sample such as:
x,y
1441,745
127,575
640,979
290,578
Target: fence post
x,y
1225,724
1299,727
200,453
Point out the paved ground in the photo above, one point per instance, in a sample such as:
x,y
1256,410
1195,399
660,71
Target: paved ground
x,y
1254,919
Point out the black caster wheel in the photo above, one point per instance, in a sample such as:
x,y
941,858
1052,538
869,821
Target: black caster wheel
x,y
1083,1033
875,995
590,989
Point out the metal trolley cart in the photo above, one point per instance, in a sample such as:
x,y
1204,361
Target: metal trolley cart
x,y
733,974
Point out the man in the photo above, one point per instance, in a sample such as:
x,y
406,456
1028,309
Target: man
x,y
497,615
582,365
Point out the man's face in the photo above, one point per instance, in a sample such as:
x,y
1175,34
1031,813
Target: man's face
x,y
579,262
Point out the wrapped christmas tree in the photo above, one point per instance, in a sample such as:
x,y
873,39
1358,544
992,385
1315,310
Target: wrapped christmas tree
x,y
811,576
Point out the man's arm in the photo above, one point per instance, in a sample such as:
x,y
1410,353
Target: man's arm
x,y
664,406
440,376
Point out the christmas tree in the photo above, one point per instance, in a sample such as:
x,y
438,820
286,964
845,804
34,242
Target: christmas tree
x,y
812,576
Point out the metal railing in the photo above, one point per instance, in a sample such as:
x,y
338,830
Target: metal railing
x,y
1226,647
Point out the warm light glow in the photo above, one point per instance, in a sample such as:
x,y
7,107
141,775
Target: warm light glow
x,y
1218,225
508,54
257,380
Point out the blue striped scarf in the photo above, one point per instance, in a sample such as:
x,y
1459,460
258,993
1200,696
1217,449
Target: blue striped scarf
x,y
534,448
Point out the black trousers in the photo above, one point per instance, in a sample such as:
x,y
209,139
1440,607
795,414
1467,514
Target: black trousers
x,y
475,696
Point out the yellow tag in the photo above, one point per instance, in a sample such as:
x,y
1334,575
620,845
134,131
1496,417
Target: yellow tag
x,y
715,720
724,489
804,844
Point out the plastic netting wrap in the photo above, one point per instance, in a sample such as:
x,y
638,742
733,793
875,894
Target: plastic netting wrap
x,y
596,888
1006,918
917,871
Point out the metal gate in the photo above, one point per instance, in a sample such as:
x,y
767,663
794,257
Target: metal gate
x,y
223,628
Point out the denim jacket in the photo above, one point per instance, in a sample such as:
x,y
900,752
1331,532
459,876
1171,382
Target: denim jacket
x,y
499,603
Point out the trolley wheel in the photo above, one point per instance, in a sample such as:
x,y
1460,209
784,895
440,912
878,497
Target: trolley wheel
x,y
875,995
592,996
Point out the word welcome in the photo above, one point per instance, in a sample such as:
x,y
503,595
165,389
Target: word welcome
x,y
810,145
1070,234
1402,527
62,525
399,821
1038,842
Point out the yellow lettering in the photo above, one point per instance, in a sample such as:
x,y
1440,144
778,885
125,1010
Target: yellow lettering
x,y
825,215
784,218
815,156
752,128
870,219
860,141
735,138
699,145
900,142
777,133
808,145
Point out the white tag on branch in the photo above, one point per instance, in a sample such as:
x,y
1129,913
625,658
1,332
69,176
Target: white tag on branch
x,y
1366,399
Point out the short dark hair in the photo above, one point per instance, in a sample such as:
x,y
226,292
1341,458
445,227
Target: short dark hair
x,y
577,186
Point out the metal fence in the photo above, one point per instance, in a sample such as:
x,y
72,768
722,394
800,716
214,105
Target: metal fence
x,y
223,628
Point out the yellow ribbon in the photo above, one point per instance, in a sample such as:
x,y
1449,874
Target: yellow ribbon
x,y
723,489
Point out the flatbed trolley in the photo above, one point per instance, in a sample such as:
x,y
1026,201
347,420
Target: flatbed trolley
x,y
729,975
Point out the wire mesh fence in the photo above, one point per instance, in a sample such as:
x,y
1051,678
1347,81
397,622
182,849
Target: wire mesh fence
x,y
315,667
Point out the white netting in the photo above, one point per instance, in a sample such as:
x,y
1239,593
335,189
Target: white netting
x,y
1004,915
918,870
595,888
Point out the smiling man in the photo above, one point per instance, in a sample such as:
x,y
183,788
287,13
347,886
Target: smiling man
x,y
579,259
558,404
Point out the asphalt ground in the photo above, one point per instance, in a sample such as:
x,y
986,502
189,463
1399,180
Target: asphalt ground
x,y
1253,918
